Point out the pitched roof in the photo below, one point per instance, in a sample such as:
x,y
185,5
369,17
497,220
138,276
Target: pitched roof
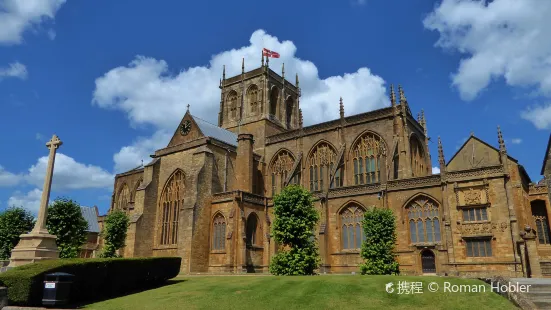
x,y
213,131
546,155
521,167
481,141
90,215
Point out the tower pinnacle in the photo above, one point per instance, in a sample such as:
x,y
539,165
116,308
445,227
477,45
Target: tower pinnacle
x,y
341,108
441,158
502,147
392,96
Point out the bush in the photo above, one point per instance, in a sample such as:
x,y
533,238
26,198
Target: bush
x,y
379,227
114,233
14,222
95,279
295,219
65,221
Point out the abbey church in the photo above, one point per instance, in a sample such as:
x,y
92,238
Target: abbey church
x,y
207,196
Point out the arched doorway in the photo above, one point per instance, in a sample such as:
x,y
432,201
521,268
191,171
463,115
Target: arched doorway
x,y
428,261
253,243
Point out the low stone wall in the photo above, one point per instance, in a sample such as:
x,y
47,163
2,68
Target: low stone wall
x,y
519,299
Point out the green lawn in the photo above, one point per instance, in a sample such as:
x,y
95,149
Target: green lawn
x,y
312,293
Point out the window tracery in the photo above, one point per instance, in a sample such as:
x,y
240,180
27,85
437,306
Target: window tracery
x,y
232,104
424,221
369,156
253,97
539,215
281,167
219,233
123,198
321,163
172,199
418,165
352,234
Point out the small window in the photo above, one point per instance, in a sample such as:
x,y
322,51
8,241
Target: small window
x,y
219,233
475,214
479,248
539,215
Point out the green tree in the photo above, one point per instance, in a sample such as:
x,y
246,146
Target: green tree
x,y
14,222
66,222
114,233
379,227
293,228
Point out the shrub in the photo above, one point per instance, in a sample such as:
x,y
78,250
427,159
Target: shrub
x,y
14,222
295,219
66,222
114,233
95,279
379,227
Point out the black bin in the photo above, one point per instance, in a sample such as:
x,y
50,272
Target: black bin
x,y
57,287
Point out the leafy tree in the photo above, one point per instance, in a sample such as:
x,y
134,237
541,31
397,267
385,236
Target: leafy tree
x,y
66,222
379,227
114,233
293,228
14,221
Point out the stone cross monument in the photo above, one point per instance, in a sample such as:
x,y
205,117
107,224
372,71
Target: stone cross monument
x,y
39,244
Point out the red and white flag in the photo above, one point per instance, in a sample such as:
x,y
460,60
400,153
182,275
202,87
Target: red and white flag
x,y
266,52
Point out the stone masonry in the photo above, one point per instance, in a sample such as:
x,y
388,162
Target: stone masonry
x,y
207,196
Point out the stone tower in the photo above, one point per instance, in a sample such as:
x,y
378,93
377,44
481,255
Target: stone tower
x,y
259,102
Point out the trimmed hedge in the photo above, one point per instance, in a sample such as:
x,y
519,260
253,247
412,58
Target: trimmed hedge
x,y
95,278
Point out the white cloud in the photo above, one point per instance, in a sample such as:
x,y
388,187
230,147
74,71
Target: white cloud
x,y
17,16
516,140
8,179
69,174
130,157
539,115
15,70
435,170
149,93
506,39
30,200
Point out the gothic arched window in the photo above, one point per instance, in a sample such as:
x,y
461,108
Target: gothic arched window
x,y
219,232
253,231
232,104
352,234
136,186
281,167
418,165
289,106
253,98
369,157
424,221
172,199
274,97
321,162
123,198
539,214
396,165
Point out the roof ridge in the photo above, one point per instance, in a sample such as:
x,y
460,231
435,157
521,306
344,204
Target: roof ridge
x,y
207,122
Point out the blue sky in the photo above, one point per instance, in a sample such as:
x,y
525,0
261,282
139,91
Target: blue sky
x,y
113,78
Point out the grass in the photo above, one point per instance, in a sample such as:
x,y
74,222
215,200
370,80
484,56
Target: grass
x,y
315,292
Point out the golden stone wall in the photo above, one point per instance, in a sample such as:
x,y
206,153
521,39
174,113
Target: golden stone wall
x,y
478,175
